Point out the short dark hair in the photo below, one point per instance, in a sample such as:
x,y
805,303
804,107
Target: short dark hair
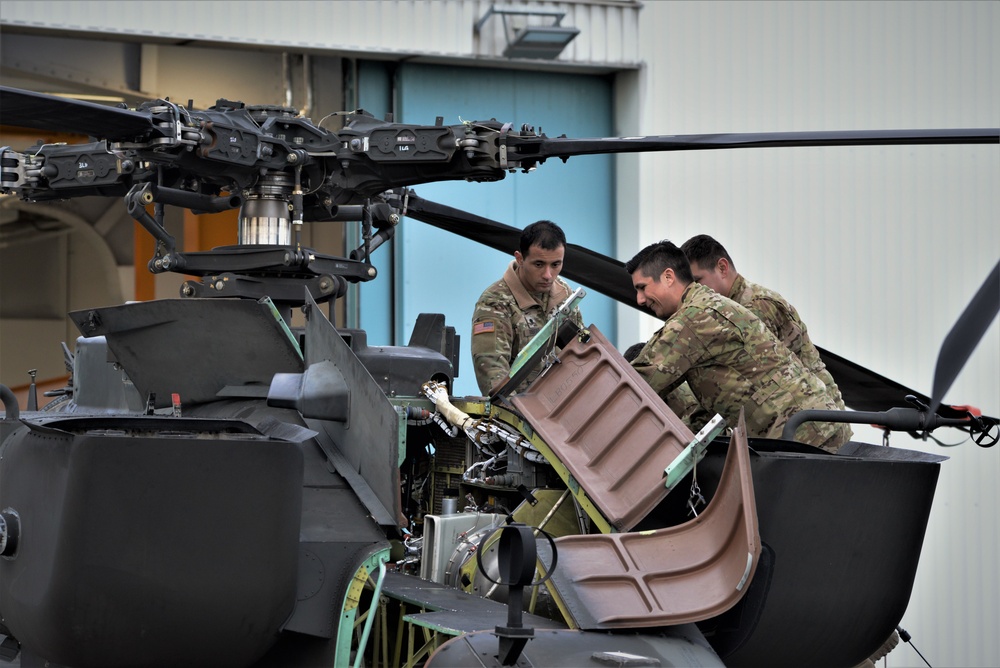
x,y
544,234
655,258
706,251
633,351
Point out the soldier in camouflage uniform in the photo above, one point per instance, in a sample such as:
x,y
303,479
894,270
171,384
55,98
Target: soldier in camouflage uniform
x,y
712,266
681,400
724,352
511,311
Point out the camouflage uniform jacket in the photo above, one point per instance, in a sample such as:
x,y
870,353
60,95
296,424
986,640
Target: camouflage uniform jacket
x,y
730,360
784,322
505,320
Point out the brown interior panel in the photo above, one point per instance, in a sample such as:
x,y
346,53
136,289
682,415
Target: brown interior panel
x,y
612,432
675,575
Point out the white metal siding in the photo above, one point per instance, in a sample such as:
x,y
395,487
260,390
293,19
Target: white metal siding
x,y
880,248
423,28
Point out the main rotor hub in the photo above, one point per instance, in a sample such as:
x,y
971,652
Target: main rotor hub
x,y
261,112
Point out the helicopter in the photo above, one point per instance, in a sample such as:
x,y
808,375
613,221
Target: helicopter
x,y
179,505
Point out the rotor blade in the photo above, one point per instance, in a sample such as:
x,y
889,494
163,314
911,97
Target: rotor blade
x,y
865,390
581,265
862,388
966,334
27,109
539,148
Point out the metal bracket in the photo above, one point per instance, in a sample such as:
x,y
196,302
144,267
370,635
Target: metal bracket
x,y
507,10
548,330
693,453
532,353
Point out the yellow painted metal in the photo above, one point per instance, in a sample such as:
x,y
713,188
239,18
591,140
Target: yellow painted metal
x,y
349,631
560,604
473,407
354,590
415,656
561,523
581,497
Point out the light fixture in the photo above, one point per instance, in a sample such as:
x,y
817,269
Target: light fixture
x,y
532,41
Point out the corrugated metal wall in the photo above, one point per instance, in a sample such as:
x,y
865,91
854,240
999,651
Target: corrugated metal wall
x,y
609,28
880,249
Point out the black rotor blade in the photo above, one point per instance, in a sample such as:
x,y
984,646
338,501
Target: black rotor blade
x,y
27,109
966,334
862,388
865,390
539,148
581,265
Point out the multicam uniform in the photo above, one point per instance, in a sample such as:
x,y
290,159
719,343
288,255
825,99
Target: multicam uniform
x,y
505,320
684,404
680,400
783,320
730,360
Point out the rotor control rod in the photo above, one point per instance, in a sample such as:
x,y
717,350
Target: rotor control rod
x,y
265,218
190,200
894,419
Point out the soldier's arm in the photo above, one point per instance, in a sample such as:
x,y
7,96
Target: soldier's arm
x,y
685,405
785,325
811,359
492,344
660,362
681,400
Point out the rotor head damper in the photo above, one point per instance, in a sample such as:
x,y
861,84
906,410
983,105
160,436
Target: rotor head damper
x,y
265,217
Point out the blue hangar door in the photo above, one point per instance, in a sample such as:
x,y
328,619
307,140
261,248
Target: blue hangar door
x,y
436,272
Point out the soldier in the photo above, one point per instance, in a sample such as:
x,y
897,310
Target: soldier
x,y
680,400
511,311
724,352
712,266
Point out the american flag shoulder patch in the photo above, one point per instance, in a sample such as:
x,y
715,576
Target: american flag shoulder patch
x,y
485,327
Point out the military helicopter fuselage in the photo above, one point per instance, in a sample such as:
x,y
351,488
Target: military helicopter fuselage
x,y
222,486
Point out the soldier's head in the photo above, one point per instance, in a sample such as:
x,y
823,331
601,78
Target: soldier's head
x,y
660,272
710,263
540,255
